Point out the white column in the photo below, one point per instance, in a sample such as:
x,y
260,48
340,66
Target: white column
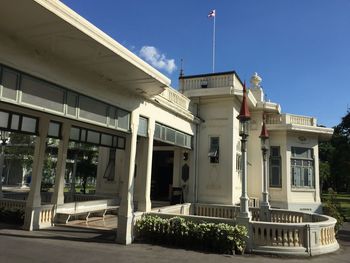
x,y
72,184
33,205
125,215
265,205
58,194
244,208
2,161
145,204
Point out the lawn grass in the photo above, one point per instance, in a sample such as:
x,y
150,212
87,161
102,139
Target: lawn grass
x,y
343,200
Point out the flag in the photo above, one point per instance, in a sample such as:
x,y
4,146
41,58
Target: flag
x,y
211,13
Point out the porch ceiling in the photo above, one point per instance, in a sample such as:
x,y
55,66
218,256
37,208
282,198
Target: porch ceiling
x,y
56,31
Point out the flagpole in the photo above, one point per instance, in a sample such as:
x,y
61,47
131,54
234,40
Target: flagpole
x,y
214,43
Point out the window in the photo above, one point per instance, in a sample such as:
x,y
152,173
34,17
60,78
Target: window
x,y
171,136
78,134
143,127
302,168
275,167
54,130
214,149
110,169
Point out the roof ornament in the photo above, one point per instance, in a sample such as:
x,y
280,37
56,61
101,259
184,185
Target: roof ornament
x,y
255,81
181,69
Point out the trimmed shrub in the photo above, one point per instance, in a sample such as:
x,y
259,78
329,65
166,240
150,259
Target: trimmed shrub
x,y
219,238
331,208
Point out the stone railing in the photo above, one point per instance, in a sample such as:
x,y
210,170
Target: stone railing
x,y
286,233
181,209
13,204
278,238
175,97
291,119
286,216
294,238
219,81
47,213
222,211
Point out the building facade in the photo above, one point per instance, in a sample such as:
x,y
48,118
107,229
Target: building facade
x,y
62,78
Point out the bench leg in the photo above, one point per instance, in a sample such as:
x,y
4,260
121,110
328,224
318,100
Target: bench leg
x,y
103,214
87,217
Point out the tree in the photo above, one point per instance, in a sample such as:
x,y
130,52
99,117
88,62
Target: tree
x,y
340,159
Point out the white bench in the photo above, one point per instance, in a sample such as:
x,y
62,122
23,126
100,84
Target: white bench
x,y
66,211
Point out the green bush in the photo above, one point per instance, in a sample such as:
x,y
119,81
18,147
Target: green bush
x,y
11,216
331,208
221,238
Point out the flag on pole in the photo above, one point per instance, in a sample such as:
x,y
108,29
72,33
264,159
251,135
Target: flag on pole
x,y
211,13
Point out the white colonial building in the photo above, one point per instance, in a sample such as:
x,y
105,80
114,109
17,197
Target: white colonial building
x,y
293,156
63,78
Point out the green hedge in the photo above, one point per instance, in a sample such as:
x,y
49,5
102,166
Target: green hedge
x,y
220,238
12,216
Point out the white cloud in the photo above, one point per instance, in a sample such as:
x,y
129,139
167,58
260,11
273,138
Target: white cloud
x,y
157,59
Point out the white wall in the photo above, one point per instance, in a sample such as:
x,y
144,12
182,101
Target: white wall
x,y
215,181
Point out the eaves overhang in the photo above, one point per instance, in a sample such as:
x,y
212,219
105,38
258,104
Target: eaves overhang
x,y
57,31
324,134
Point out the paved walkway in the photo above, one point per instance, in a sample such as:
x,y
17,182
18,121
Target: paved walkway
x,y
78,244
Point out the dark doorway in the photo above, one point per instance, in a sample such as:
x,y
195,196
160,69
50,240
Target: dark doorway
x,y
162,175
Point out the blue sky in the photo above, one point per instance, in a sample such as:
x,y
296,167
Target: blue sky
x,y
301,49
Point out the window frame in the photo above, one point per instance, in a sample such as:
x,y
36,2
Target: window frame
x,y
309,167
214,150
271,166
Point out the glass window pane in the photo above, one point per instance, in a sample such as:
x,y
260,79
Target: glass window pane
x,y
180,139
275,151
54,129
15,122
121,143
106,139
123,119
143,127
170,135
112,116
9,83
74,134
28,124
4,119
157,131
299,152
42,94
163,132
72,103
83,135
275,161
93,110
93,137
275,176
188,139
214,144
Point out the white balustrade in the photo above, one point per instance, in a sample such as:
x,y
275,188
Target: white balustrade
x,y
290,119
12,204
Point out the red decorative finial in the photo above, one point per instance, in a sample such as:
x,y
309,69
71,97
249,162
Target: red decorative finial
x,y
244,114
264,133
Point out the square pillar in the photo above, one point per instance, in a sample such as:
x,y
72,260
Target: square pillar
x,y
144,203
125,214
33,205
58,194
